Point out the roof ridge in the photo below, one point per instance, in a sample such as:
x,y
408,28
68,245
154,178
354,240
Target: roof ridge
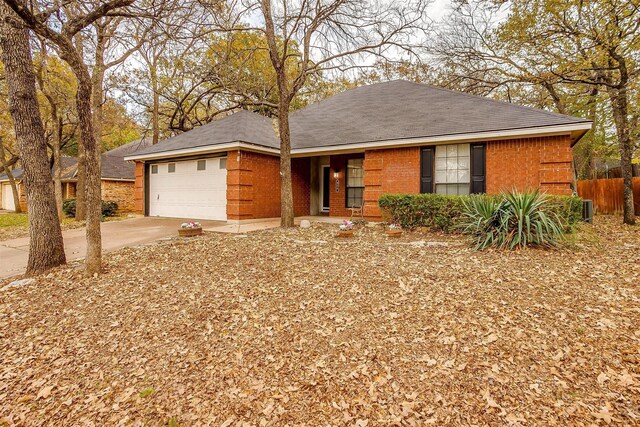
x,y
484,98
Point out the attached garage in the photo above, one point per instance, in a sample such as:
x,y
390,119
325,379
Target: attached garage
x,y
188,189
7,198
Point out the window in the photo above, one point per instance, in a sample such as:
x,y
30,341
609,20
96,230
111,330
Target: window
x,y
355,183
172,167
223,163
202,165
452,169
154,168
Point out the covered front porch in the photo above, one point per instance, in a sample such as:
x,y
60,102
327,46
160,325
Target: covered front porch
x,y
336,184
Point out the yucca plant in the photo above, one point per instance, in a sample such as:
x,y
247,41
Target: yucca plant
x,y
515,220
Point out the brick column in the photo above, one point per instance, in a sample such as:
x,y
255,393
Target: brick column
x,y
139,189
373,163
239,186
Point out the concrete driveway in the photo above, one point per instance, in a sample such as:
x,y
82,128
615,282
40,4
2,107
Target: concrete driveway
x,y
115,235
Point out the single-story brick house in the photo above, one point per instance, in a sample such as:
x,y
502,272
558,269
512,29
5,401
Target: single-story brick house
x,y
349,149
118,179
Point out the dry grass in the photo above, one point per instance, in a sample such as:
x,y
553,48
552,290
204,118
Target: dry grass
x,y
299,328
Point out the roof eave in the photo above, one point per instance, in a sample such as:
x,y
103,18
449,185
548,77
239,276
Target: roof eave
x,y
205,149
576,130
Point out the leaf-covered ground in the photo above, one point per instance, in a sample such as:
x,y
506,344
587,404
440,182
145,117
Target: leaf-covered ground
x,y
298,327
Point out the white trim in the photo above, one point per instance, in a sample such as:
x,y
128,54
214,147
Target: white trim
x,y
372,145
207,149
445,139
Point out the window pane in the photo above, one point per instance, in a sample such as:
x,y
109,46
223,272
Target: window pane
x,y
452,167
463,162
452,189
172,167
154,168
223,163
202,165
354,197
355,173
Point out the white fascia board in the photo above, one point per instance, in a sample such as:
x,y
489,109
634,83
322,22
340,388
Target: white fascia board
x,y
445,139
206,149
375,145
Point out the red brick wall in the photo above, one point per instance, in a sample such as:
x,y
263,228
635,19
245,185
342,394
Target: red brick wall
x,y
530,163
253,185
139,189
121,192
395,170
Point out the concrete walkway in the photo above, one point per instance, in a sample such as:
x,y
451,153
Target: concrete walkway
x,y
265,224
115,235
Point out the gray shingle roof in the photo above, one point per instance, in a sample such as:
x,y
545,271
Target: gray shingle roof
x,y
112,163
68,169
397,109
402,109
242,126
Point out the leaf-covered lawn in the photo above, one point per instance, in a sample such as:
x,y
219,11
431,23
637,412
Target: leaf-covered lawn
x,y
13,220
13,226
298,327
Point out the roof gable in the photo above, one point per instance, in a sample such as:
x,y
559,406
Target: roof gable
x,y
243,126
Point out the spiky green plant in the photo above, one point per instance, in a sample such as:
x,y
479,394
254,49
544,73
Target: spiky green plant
x,y
515,220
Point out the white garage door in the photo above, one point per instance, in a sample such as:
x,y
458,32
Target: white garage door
x,y
7,198
194,189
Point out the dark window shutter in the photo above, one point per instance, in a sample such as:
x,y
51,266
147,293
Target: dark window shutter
x,y
478,169
426,170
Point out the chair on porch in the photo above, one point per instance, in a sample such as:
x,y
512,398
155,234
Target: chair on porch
x,y
357,211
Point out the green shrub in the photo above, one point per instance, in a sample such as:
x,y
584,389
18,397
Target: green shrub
x,y
435,211
109,208
567,208
69,207
445,213
516,220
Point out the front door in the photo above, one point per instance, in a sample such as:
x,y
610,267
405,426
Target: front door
x,y
326,187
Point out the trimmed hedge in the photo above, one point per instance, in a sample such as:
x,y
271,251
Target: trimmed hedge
x,y
109,208
445,213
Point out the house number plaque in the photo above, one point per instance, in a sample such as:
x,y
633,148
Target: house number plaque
x,y
337,185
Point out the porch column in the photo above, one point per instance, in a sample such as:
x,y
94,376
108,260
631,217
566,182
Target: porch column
x,y
372,184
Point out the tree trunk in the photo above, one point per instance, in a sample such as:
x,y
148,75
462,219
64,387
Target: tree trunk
x,y
57,166
81,180
286,189
12,181
619,106
97,82
155,116
46,248
93,198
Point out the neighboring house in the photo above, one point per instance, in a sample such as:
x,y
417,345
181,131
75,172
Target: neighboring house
x,y
118,179
394,137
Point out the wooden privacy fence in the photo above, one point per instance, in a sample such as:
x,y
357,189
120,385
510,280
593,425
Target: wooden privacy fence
x,y
607,194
